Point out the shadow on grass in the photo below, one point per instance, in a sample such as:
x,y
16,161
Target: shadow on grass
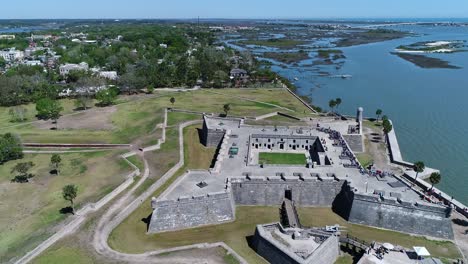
x,y
147,221
250,241
355,253
201,139
460,222
66,210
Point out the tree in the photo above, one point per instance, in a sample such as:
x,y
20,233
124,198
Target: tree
x,y
338,102
384,117
23,169
69,193
172,100
83,102
55,161
150,89
387,126
49,109
227,108
332,104
378,113
435,178
418,167
10,148
107,97
17,114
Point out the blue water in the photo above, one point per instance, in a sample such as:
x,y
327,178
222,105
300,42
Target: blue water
x,y
428,106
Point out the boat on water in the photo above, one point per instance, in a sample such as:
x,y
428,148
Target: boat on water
x,y
343,76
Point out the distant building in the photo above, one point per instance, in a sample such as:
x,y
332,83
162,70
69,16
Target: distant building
x,y
111,75
66,68
238,73
162,45
33,63
12,55
7,36
220,48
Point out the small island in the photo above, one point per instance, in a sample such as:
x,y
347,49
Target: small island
x,y
287,57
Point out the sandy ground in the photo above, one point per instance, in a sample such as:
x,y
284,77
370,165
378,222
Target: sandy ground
x,y
460,226
92,119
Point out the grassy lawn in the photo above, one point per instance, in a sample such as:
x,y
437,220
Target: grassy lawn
x,y
345,259
139,117
235,234
28,209
64,255
173,118
5,118
136,160
365,159
282,158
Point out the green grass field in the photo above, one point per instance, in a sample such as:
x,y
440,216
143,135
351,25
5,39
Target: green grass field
x,y
282,158
138,117
28,209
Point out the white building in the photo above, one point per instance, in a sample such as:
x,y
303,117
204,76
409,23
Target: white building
x,y
66,68
12,54
7,36
33,63
164,46
111,75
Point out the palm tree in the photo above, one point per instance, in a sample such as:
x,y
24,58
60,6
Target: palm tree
x,y
338,102
418,167
435,178
378,113
332,104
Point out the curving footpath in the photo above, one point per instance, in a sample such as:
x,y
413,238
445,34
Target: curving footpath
x,y
115,215
122,208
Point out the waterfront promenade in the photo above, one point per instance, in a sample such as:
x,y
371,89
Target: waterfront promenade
x,y
397,158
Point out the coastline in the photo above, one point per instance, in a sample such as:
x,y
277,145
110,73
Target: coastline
x,y
397,158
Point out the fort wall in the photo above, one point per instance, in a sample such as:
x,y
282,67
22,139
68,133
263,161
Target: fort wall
x,y
268,191
276,253
401,216
189,212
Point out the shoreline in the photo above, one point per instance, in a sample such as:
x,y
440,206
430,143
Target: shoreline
x,y
397,158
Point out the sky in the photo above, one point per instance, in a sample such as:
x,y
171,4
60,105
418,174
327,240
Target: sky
x,y
30,9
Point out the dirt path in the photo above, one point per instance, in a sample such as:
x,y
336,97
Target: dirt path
x,y
121,209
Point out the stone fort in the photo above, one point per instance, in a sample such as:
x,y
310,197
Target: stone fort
x,y
331,177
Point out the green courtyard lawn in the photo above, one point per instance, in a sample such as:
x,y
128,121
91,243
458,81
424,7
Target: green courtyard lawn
x,y
28,210
282,158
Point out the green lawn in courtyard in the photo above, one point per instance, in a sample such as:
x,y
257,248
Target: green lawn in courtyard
x,y
282,158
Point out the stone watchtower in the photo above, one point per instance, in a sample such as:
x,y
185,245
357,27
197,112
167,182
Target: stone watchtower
x,y
359,118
